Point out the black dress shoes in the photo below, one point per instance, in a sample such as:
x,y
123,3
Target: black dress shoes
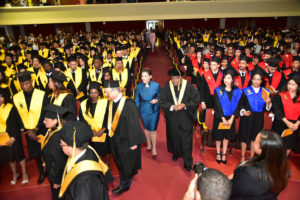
x,y
41,178
119,190
188,168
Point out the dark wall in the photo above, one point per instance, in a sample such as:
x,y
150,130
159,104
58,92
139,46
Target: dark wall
x,y
188,23
118,26
44,29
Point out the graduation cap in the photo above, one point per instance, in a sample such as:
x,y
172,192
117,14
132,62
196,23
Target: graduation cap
x,y
295,76
273,62
59,77
94,85
111,84
269,52
245,58
206,60
296,58
45,62
258,70
55,112
230,70
98,57
76,133
109,52
215,59
238,48
175,72
72,58
21,66
24,76
119,59
224,58
60,65
8,55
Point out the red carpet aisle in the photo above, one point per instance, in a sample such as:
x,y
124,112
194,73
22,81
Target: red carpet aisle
x,y
160,179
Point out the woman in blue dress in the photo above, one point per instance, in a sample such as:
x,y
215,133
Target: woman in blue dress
x,y
146,98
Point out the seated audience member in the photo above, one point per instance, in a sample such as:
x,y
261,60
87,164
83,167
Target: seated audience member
x,y
264,176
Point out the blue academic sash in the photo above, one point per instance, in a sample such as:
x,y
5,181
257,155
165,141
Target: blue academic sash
x,y
228,106
256,101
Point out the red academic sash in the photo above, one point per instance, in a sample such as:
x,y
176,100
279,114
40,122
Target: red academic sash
x,y
192,57
287,59
250,66
212,84
287,72
196,64
262,65
238,81
235,64
291,109
275,80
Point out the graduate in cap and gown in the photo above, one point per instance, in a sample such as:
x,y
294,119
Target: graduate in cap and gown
x,y
11,150
30,103
255,101
275,79
227,104
53,157
61,95
85,176
243,77
126,134
287,112
93,112
179,100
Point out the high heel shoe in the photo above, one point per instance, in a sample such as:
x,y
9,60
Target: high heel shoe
x,y
25,179
218,161
224,161
154,156
14,181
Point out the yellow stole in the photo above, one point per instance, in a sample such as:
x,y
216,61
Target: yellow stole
x,y
124,77
47,137
41,74
93,75
9,71
178,101
45,53
112,123
30,118
135,52
78,76
58,101
95,122
127,60
83,166
4,110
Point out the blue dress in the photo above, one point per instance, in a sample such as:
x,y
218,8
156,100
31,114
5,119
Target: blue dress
x,y
149,112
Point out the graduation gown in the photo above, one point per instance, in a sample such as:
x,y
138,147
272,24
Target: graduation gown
x,y
250,126
68,102
284,106
34,148
247,183
15,152
89,185
180,124
54,158
277,80
127,134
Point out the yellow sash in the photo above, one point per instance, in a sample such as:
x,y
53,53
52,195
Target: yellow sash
x,y
127,60
9,71
4,110
135,52
30,118
93,75
45,53
112,123
124,77
47,138
95,122
58,101
78,76
178,101
83,166
41,74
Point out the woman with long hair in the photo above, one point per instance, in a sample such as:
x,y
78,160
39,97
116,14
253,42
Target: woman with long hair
x,y
93,112
252,112
287,112
12,151
264,176
62,96
146,99
227,101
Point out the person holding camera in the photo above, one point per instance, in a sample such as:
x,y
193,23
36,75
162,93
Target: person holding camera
x,y
265,176
208,184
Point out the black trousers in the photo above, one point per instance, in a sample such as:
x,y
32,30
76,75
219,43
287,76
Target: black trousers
x,y
54,192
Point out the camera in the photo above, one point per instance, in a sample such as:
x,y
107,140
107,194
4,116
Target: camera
x,y
199,167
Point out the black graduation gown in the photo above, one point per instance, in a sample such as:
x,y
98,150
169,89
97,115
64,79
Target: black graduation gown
x,y
229,134
89,185
15,152
128,133
247,183
102,148
54,158
250,126
34,148
279,126
180,124
69,102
